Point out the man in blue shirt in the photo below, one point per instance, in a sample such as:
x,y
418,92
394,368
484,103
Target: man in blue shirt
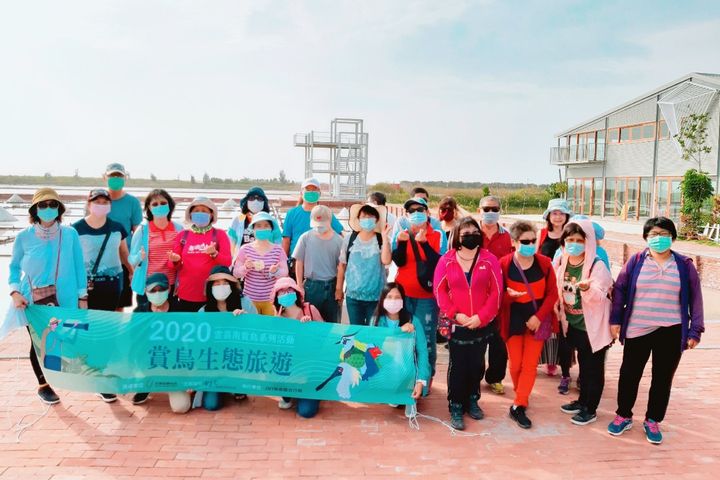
x,y
126,210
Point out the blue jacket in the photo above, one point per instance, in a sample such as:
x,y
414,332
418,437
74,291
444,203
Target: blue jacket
x,y
421,350
691,302
140,239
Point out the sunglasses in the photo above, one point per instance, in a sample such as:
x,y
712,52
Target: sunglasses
x,y
416,210
157,204
527,241
491,209
48,204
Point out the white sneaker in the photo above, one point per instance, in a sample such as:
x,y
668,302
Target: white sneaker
x,y
285,404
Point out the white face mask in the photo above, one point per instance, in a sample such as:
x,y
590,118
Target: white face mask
x,y
393,306
221,292
99,209
255,206
158,298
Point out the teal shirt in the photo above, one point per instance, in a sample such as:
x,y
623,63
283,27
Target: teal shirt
x,y
421,349
127,212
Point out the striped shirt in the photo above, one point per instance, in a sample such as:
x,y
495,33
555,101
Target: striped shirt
x,y
657,298
258,279
160,242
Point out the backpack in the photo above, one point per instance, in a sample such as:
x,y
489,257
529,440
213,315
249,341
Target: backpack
x,y
353,236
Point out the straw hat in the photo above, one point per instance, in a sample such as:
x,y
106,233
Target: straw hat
x,y
354,221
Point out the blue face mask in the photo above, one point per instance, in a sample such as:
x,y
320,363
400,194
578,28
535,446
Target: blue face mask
x,y
574,249
418,218
287,299
161,211
47,214
158,298
116,183
263,235
200,219
527,250
659,244
368,224
490,218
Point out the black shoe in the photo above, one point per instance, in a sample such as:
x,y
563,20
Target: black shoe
x,y
107,397
473,410
139,398
571,408
456,416
47,395
583,418
239,396
518,414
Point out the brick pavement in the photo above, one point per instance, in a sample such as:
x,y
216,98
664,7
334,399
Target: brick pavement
x,y
84,438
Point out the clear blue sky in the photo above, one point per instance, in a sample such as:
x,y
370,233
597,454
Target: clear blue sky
x,y
451,90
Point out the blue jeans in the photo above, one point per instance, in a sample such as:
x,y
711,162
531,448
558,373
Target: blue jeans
x,y
360,312
306,408
321,294
212,400
426,311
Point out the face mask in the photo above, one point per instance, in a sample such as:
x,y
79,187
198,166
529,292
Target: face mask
x,y
287,299
158,298
263,234
200,219
527,250
161,211
320,229
659,244
116,183
490,218
311,197
471,242
221,292
255,206
575,249
393,306
418,218
47,214
99,209
448,215
368,224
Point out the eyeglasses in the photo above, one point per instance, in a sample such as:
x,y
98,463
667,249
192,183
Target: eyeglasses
x,y
491,209
48,204
527,241
656,234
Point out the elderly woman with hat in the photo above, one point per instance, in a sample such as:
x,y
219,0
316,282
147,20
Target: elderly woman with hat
x,y
363,257
196,251
46,268
240,232
261,262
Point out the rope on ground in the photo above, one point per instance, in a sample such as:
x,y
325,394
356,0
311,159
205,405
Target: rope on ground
x,y
414,424
19,428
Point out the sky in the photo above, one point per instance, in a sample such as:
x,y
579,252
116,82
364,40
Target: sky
x,y
448,90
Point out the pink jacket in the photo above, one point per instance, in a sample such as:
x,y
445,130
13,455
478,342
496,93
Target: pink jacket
x,y
595,302
195,265
454,295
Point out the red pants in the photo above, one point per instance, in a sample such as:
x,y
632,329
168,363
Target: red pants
x,y
523,354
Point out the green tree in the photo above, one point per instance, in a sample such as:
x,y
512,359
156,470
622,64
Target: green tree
x,y
282,177
486,191
206,178
153,177
692,138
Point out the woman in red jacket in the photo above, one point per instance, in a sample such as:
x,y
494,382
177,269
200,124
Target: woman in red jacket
x,y
526,315
467,286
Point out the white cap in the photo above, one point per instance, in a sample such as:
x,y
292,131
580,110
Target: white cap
x,y
310,181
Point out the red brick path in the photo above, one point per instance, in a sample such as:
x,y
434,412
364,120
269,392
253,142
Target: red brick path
x,y
85,438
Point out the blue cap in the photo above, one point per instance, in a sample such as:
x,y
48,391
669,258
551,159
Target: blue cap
x,y
157,280
557,204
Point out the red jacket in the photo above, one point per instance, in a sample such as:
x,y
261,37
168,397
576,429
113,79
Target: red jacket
x,y
499,244
546,311
404,258
481,298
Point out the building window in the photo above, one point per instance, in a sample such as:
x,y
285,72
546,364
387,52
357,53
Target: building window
x,y
598,196
645,196
610,197
624,134
614,135
663,133
632,197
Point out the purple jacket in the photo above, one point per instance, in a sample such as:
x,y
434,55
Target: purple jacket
x,y
691,302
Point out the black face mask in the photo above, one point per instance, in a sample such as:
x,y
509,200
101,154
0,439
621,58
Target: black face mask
x,y
471,241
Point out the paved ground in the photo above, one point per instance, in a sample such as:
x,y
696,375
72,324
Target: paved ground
x,y
84,438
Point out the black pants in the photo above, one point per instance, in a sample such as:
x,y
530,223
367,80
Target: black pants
x,y
467,363
36,363
565,355
497,357
664,344
592,368
126,293
187,306
105,294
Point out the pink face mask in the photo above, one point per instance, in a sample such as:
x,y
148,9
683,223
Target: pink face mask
x,y
392,305
99,209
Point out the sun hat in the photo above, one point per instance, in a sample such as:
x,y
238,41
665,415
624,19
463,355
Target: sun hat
x,y
205,202
354,221
557,204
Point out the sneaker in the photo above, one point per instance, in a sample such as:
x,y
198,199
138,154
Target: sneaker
x,y
497,388
47,395
518,414
551,370
564,387
140,398
652,432
619,426
473,410
239,396
107,397
456,416
285,404
584,417
571,408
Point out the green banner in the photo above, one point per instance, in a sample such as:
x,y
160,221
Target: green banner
x,y
97,351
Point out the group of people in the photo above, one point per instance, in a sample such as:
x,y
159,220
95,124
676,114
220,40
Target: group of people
x,y
524,296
